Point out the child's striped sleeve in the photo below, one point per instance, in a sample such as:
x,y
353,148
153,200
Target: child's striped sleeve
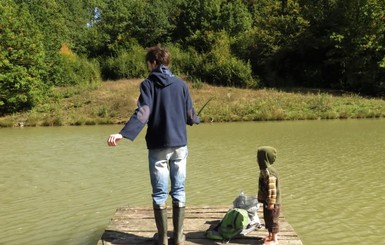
x,y
272,193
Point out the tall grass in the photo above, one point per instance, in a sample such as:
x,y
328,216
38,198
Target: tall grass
x,y
113,102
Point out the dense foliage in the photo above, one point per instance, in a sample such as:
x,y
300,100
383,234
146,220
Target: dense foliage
x,y
331,44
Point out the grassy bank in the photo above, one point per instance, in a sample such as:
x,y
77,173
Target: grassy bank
x,y
114,102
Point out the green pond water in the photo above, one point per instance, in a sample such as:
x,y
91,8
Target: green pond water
x,y
61,185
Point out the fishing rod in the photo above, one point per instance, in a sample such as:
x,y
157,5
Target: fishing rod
x,y
199,112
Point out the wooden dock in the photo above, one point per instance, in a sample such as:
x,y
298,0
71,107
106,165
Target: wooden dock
x,y
131,226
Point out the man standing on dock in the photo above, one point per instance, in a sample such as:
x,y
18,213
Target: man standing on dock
x,y
166,107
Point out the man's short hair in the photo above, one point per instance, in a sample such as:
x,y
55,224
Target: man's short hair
x,y
159,55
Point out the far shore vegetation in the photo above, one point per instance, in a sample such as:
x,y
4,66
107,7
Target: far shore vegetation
x,y
79,62
113,102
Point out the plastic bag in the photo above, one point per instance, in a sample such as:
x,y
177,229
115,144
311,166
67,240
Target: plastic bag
x,y
245,202
249,203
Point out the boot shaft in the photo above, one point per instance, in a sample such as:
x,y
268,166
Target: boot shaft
x,y
178,212
160,215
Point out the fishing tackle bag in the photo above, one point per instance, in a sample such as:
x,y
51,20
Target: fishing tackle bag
x,y
238,221
231,226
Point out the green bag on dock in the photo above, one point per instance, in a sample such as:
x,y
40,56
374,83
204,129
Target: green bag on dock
x,y
231,226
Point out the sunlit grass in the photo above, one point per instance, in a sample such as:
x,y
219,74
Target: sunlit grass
x,y
114,102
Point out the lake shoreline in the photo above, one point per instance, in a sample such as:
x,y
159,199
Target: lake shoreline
x,y
113,102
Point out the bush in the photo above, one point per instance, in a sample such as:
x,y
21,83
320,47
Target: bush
x,y
228,72
74,70
126,64
179,59
185,62
19,91
220,67
21,59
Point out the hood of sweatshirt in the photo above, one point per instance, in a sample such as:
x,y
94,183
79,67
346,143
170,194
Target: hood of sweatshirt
x,y
266,156
162,76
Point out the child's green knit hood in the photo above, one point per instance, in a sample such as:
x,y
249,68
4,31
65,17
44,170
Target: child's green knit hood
x,y
266,156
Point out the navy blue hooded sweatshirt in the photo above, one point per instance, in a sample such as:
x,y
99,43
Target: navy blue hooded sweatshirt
x,y
166,107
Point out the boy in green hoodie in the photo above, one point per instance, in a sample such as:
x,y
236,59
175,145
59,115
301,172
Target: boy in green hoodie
x,y
269,192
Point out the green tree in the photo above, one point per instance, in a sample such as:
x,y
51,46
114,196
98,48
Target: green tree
x,y
64,24
78,14
275,33
52,23
220,67
63,21
343,48
358,45
197,21
22,57
124,23
153,22
235,18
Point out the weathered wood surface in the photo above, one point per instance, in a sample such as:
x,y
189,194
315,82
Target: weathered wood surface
x,y
131,226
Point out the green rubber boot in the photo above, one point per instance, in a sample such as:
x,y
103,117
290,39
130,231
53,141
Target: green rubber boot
x,y
178,209
160,214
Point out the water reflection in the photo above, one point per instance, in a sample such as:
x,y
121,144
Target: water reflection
x,y
62,185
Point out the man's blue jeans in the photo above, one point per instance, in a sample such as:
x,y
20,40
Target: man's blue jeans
x,y
168,163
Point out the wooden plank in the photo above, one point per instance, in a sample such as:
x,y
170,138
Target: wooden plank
x,y
131,226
